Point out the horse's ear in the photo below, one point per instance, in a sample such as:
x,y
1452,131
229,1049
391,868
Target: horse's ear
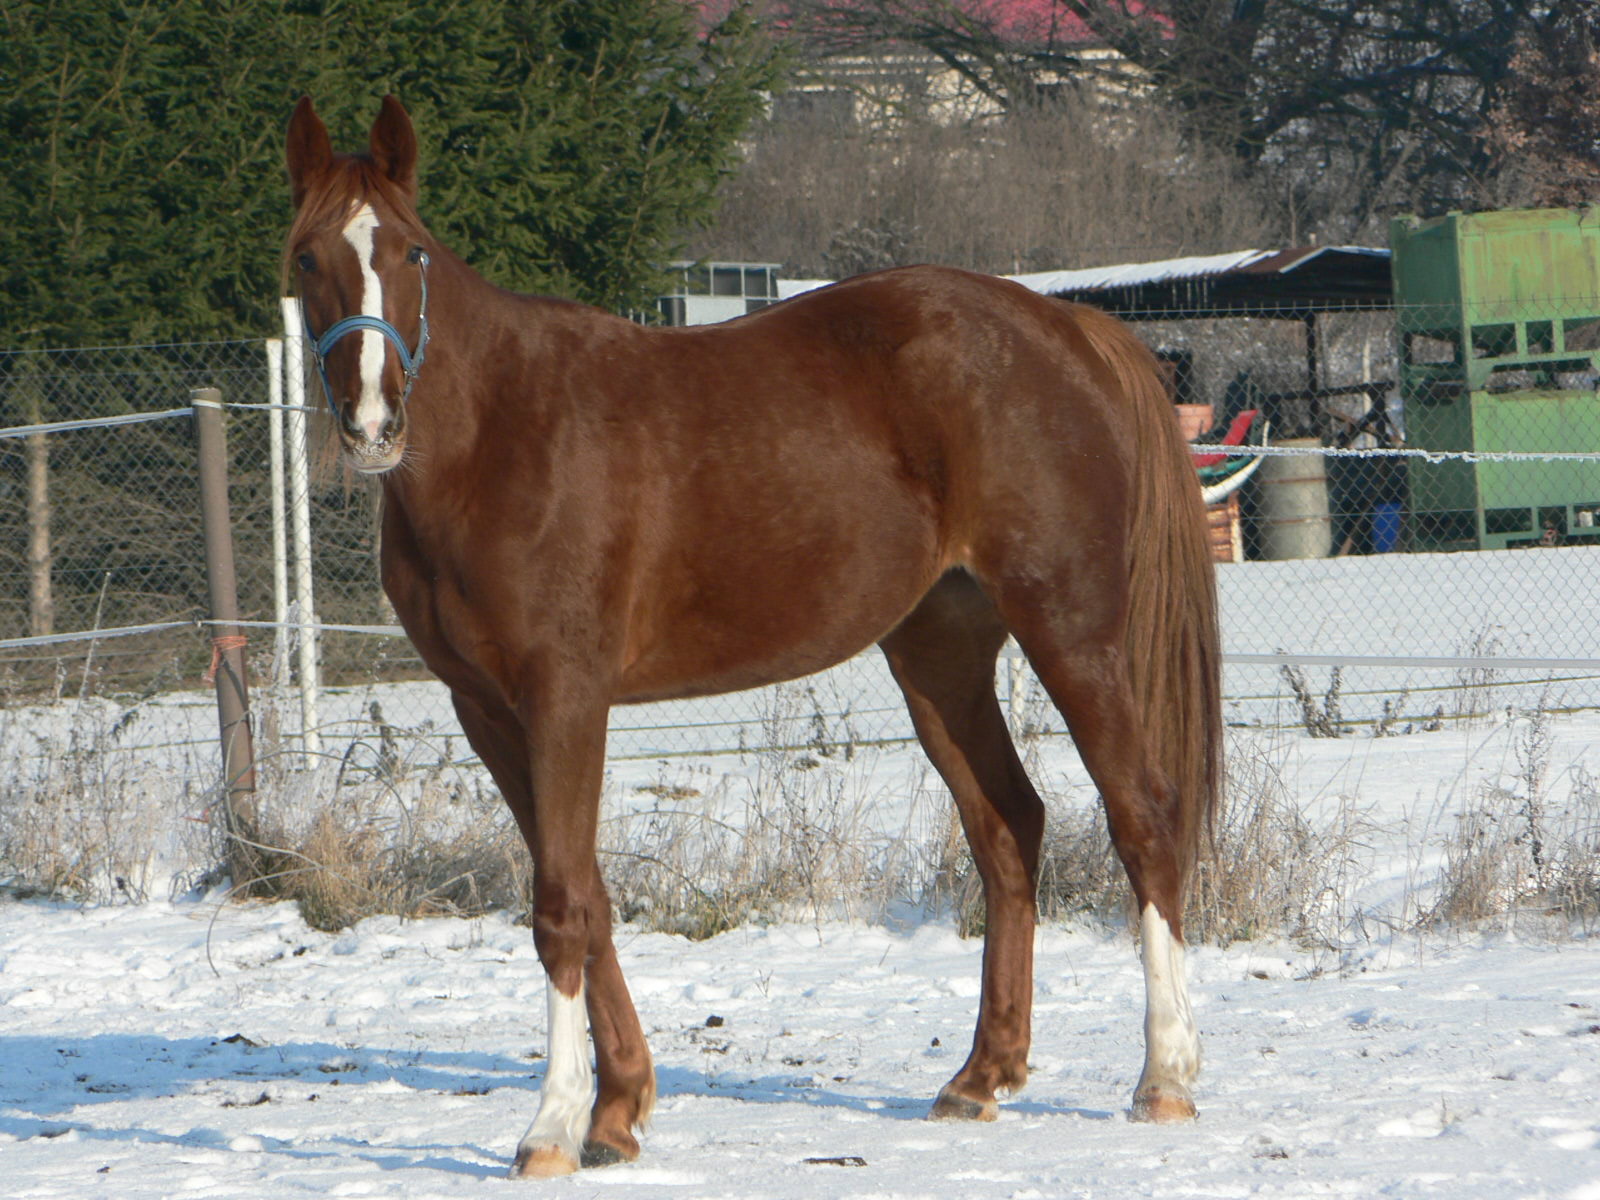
x,y
309,151
394,145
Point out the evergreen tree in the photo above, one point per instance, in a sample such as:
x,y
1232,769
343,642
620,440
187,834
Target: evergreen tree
x,y
567,146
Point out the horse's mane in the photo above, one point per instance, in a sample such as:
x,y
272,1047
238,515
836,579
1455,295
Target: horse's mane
x,y
352,180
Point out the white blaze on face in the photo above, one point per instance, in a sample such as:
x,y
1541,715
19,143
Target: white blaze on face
x,y
370,408
568,1091
1172,1043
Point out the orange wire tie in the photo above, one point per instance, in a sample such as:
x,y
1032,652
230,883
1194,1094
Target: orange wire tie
x,y
228,641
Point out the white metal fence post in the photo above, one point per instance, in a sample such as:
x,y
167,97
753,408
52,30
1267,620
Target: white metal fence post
x,y
280,541
300,522
1016,689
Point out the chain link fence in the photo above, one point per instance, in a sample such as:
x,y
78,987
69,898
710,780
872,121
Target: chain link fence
x,y
1408,532
100,528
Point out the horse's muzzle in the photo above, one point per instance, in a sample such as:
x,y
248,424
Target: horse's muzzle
x,y
375,450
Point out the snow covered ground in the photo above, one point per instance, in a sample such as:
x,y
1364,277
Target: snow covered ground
x,y
178,1051
187,1048
192,1049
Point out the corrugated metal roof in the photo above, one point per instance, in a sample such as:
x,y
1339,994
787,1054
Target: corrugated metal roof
x,y
1093,279
794,287
1288,282
1293,281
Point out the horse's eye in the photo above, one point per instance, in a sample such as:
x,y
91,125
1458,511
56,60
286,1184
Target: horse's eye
x,y
415,255
306,262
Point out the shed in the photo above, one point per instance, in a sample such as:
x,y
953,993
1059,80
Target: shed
x,y
1294,284
1297,282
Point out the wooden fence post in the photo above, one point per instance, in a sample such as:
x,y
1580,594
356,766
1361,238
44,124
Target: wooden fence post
x,y
228,644
41,605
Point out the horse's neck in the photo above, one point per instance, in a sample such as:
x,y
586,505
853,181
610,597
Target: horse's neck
x,y
467,312
479,384
455,397
492,356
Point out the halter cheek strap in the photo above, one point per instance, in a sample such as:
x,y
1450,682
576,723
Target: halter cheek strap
x,y
410,362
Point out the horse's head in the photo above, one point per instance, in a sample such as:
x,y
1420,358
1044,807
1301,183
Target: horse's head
x,y
357,252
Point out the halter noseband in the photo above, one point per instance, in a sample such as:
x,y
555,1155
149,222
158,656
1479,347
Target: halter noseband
x,y
410,362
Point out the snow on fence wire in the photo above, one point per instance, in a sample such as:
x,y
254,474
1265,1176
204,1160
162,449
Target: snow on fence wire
x,y
1429,553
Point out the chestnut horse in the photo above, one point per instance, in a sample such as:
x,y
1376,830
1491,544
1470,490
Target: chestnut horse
x,y
580,511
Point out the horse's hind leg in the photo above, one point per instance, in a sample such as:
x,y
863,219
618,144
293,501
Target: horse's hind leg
x,y
1073,637
943,657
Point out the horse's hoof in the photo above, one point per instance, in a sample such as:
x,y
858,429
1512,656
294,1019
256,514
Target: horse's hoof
x,y
1163,1106
604,1154
542,1162
951,1107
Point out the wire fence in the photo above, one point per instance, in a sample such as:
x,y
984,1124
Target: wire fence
x,y
1406,517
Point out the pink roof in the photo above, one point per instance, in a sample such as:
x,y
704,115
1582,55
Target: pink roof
x,y
1032,21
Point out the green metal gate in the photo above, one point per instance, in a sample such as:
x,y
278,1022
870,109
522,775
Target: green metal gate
x,y
1499,320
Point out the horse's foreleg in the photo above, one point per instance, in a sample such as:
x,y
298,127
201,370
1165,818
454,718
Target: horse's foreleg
x,y
567,1132
627,1078
566,741
553,1142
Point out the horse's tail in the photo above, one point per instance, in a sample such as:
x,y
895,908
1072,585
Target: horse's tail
x,y
1173,643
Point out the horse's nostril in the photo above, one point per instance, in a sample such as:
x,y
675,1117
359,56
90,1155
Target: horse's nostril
x,y
374,430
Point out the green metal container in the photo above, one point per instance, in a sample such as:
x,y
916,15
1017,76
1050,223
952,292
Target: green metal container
x,y
1499,321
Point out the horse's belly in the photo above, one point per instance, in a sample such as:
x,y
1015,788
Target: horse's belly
x,y
789,571
684,673
773,636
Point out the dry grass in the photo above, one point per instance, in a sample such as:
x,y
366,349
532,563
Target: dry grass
x,y
1271,873
442,853
75,823
790,831
1321,718
1080,877
1268,872
796,836
389,825
789,837
792,836
1473,692
1520,853
377,830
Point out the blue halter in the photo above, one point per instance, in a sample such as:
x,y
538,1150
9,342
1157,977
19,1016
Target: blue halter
x,y
410,362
